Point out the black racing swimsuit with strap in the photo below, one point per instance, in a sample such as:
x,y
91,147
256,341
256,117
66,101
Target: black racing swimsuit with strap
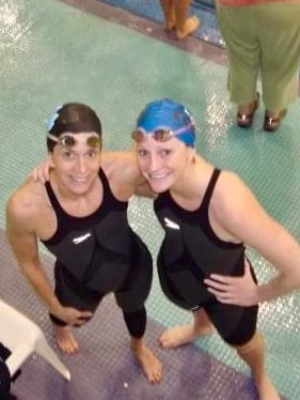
x,y
190,252
94,249
100,253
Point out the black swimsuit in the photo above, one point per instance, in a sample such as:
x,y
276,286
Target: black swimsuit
x,y
191,252
98,254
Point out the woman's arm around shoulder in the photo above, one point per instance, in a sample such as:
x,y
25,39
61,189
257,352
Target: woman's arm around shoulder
x,y
123,169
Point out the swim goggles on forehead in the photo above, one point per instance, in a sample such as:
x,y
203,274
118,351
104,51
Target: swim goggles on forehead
x,y
70,141
160,134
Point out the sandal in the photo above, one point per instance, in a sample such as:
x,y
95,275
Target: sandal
x,y
271,124
245,120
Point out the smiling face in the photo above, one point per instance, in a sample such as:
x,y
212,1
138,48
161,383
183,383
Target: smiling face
x,y
76,167
163,164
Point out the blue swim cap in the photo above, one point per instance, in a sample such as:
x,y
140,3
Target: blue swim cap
x,y
167,113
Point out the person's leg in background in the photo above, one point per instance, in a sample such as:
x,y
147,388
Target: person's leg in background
x,y
176,17
169,14
280,61
237,24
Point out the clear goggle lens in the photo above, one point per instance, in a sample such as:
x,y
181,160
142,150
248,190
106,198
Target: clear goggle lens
x,y
161,134
69,141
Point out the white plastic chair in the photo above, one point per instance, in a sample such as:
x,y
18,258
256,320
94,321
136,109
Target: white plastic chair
x,y
23,337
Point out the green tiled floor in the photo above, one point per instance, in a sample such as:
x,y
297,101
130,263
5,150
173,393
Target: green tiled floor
x,y
51,53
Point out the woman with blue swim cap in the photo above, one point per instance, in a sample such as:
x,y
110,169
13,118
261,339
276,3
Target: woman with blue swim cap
x,y
208,216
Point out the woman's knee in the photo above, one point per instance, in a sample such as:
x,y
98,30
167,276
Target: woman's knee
x,y
254,344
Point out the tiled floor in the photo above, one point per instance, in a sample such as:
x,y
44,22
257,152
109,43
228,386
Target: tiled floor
x,y
51,53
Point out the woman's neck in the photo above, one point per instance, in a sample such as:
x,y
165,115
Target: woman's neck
x,y
194,179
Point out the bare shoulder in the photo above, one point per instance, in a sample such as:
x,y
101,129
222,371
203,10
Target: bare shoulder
x,y
229,186
232,197
240,216
24,204
236,211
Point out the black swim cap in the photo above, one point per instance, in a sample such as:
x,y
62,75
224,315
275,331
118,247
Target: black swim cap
x,y
73,118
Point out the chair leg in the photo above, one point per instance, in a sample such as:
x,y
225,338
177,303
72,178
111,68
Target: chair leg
x,y
16,359
44,350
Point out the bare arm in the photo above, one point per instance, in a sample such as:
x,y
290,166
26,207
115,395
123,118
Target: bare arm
x,y
41,171
24,245
122,167
124,160
243,218
23,241
143,189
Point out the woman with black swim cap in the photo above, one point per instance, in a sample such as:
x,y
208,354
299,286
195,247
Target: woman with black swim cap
x,y
80,215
